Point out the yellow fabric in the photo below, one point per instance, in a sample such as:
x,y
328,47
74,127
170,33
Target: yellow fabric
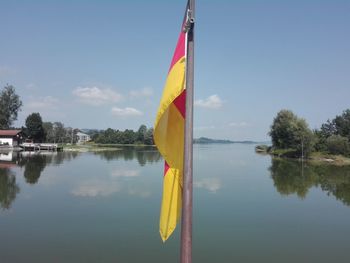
x,y
174,85
169,138
171,203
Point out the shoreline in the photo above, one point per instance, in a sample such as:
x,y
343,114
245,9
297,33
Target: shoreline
x,y
101,147
316,158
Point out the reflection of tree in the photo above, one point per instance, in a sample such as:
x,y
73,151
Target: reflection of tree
x,y
291,177
141,158
143,154
33,168
128,153
8,188
335,181
59,157
153,155
34,163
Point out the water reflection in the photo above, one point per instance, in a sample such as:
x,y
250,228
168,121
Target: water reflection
x,y
293,177
211,184
33,168
95,187
32,165
143,154
8,188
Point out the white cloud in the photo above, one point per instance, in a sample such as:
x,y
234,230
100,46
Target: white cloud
x,y
212,102
125,173
96,96
43,103
126,112
238,124
210,184
96,188
143,93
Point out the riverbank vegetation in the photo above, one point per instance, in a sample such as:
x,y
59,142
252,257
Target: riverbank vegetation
x,y
10,105
291,137
142,136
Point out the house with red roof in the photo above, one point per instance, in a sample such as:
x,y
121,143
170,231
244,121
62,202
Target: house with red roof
x,y
11,138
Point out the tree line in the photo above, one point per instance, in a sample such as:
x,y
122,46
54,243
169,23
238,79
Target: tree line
x,y
56,132
143,135
53,132
39,131
291,133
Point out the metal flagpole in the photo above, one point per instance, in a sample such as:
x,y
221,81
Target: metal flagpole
x,y
186,224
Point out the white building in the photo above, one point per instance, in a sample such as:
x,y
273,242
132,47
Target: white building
x,y
82,137
10,138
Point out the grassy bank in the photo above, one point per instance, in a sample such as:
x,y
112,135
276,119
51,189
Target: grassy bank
x,y
94,147
314,157
322,158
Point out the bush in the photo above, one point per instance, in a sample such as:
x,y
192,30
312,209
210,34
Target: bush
x,y
337,144
288,131
262,148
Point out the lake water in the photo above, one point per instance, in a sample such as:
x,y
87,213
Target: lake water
x,y
104,207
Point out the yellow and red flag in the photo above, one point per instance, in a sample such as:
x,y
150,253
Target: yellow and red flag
x,y
169,138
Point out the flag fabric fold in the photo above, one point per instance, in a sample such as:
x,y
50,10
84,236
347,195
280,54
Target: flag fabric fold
x,y
169,139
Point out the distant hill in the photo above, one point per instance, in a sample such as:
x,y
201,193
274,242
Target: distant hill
x,y
204,140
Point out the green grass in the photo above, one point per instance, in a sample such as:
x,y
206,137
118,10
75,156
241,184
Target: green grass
x,y
322,157
289,153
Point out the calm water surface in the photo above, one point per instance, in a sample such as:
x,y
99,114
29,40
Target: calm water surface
x,y
104,207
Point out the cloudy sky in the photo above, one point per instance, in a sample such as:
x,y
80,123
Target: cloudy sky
x,y
100,64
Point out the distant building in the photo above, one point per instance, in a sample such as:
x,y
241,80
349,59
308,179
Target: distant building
x,y
83,137
11,138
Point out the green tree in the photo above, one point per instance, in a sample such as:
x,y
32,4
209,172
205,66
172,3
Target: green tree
x,y
10,104
34,127
106,136
342,124
320,141
328,129
49,132
71,135
129,136
141,134
339,126
59,132
337,144
149,137
95,137
291,132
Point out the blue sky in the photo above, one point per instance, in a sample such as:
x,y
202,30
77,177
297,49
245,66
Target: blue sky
x,y
100,64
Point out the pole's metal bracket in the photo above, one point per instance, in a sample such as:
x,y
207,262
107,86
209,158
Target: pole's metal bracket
x,y
189,23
